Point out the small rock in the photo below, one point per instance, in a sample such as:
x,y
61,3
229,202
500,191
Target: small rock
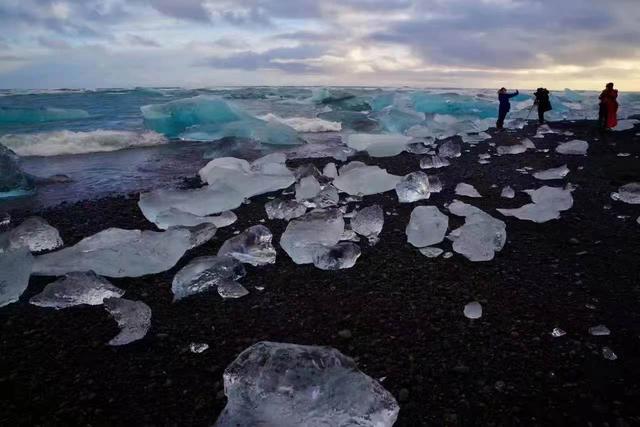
x,y
345,333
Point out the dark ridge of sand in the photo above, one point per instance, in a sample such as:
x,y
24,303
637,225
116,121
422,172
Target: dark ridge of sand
x,y
404,312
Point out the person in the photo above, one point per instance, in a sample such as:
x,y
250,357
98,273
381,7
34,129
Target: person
x,y
505,105
543,103
608,107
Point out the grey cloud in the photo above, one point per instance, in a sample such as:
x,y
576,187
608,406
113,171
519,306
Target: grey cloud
x,y
184,9
142,41
250,60
53,43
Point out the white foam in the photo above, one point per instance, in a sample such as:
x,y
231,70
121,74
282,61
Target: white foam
x,y
305,124
67,142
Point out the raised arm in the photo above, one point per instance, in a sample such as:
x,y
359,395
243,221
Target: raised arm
x,y
516,93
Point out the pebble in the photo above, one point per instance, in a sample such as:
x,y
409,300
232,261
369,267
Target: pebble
x,y
345,333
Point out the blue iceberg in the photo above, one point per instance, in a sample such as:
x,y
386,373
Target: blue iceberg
x,y
454,104
13,181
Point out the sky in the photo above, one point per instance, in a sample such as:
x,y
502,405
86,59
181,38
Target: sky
x,y
579,44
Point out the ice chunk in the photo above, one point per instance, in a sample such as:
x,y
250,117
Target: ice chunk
x,y
450,149
398,120
427,226
547,204
177,218
629,193
230,289
560,198
204,273
518,148
76,289
317,228
118,253
420,146
330,170
543,130
307,188
480,237
557,333
253,246
34,233
284,209
413,187
13,181
554,173
368,222
431,252
201,234
468,190
473,310
378,145
15,269
608,354
365,180
133,319
304,124
337,257
354,120
433,162
533,212
508,193
599,330
198,348
289,385
575,147
475,138
626,124
327,197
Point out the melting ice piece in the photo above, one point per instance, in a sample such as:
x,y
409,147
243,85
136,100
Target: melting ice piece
x,y
626,124
468,190
575,147
133,318
356,179
431,252
421,146
13,181
481,236
76,289
532,212
427,226
317,228
34,233
284,209
118,253
230,289
337,257
450,149
337,150
473,310
204,273
547,204
557,333
378,145
554,173
475,138
15,269
307,170
599,330
201,234
629,193
289,385
518,148
543,130
368,222
330,170
198,348
434,162
413,187
307,188
508,193
177,218
253,246
560,198
608,354
327,197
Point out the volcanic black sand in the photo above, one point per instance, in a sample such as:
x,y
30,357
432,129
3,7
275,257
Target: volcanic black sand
x,y
399,313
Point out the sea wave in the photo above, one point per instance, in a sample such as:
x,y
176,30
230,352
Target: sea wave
x,y
39,115
305,124
68,142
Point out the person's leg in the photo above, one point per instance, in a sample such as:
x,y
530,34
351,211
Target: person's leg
x,y
501,117
541,116
602,117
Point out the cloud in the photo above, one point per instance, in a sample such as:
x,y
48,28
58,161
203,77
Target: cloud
x,y
53,43
141,41
288,59
193,10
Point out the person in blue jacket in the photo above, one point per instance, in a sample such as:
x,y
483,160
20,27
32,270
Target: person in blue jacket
x,y
505,105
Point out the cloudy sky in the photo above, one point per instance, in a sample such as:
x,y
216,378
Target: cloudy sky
x,y
580,44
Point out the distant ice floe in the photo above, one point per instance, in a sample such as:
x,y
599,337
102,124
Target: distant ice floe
x,y
305,124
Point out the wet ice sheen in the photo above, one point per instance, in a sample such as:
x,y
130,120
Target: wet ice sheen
x,y
253,246
629,193
554,173
76,289
177,218
473,310
480,237
284,209
15,269
434,162
204,273
356,178
574,147
34,233
427,226
378,145
340,256
316,228
547,204
468,190
133,319
413,187
368,222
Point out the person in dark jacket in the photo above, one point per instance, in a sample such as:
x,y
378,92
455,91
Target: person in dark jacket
x,y
543,103
505,105
608,107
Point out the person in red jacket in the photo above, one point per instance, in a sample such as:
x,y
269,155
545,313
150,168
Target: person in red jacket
x,y
608,107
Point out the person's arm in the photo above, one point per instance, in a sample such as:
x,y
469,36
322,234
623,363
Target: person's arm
x,y
516,93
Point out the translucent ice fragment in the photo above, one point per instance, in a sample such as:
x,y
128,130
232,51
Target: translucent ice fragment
x,y
599,330
284,209
629,193
364,180
337,257
253,246
413,187
508,193
368,222
15,269
473,310
575,147
427,226
467,190
34,233
76,289
317,228
554,173
133,318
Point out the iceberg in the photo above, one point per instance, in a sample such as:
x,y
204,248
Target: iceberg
x,y
133,319
378,145
177,218
575,147
271,133
253,246
629,193
427,226
359,122
204,273
284,209
360,179
340,256
76,289
554,173
480,237
454,104
304,235
467,190
289,385
115,252
13,181
398,120
34,233
15,269
368,222
413,187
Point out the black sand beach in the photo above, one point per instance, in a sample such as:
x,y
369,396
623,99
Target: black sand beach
x,y
397,313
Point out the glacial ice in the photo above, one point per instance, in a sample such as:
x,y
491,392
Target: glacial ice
x,y
284,209
508,193
115,252
626,124
271,133
177,218
15,269
475,138
480,237
304,124
420,146
198,348
413,187
450,149
337,257
133,319
13,181
431,252
200,234
34,233
253,246
353,120
427,226
204,273
307,188
398,120
560,198
330,170
608,354
575,147
467,190
305,234
554,173
519,148
76,288
547,204
364,180
315,150
230,289
557,333
378,145
599,330
368,222
327,197
473,310
434,162
289,385
628,193
532,212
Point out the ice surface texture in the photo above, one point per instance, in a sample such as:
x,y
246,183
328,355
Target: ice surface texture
x,y
76,289
133,319
253,246
34,233
480,237
15,269
629,193
575,147
427,226
304,235
204,273
343,255
13,181
288,385
368,222
356,178
378,145
547,204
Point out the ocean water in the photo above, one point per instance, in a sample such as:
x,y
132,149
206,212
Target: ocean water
x,y
113,141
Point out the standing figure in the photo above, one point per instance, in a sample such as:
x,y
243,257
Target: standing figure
x,y
543,103
505,105
608,108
